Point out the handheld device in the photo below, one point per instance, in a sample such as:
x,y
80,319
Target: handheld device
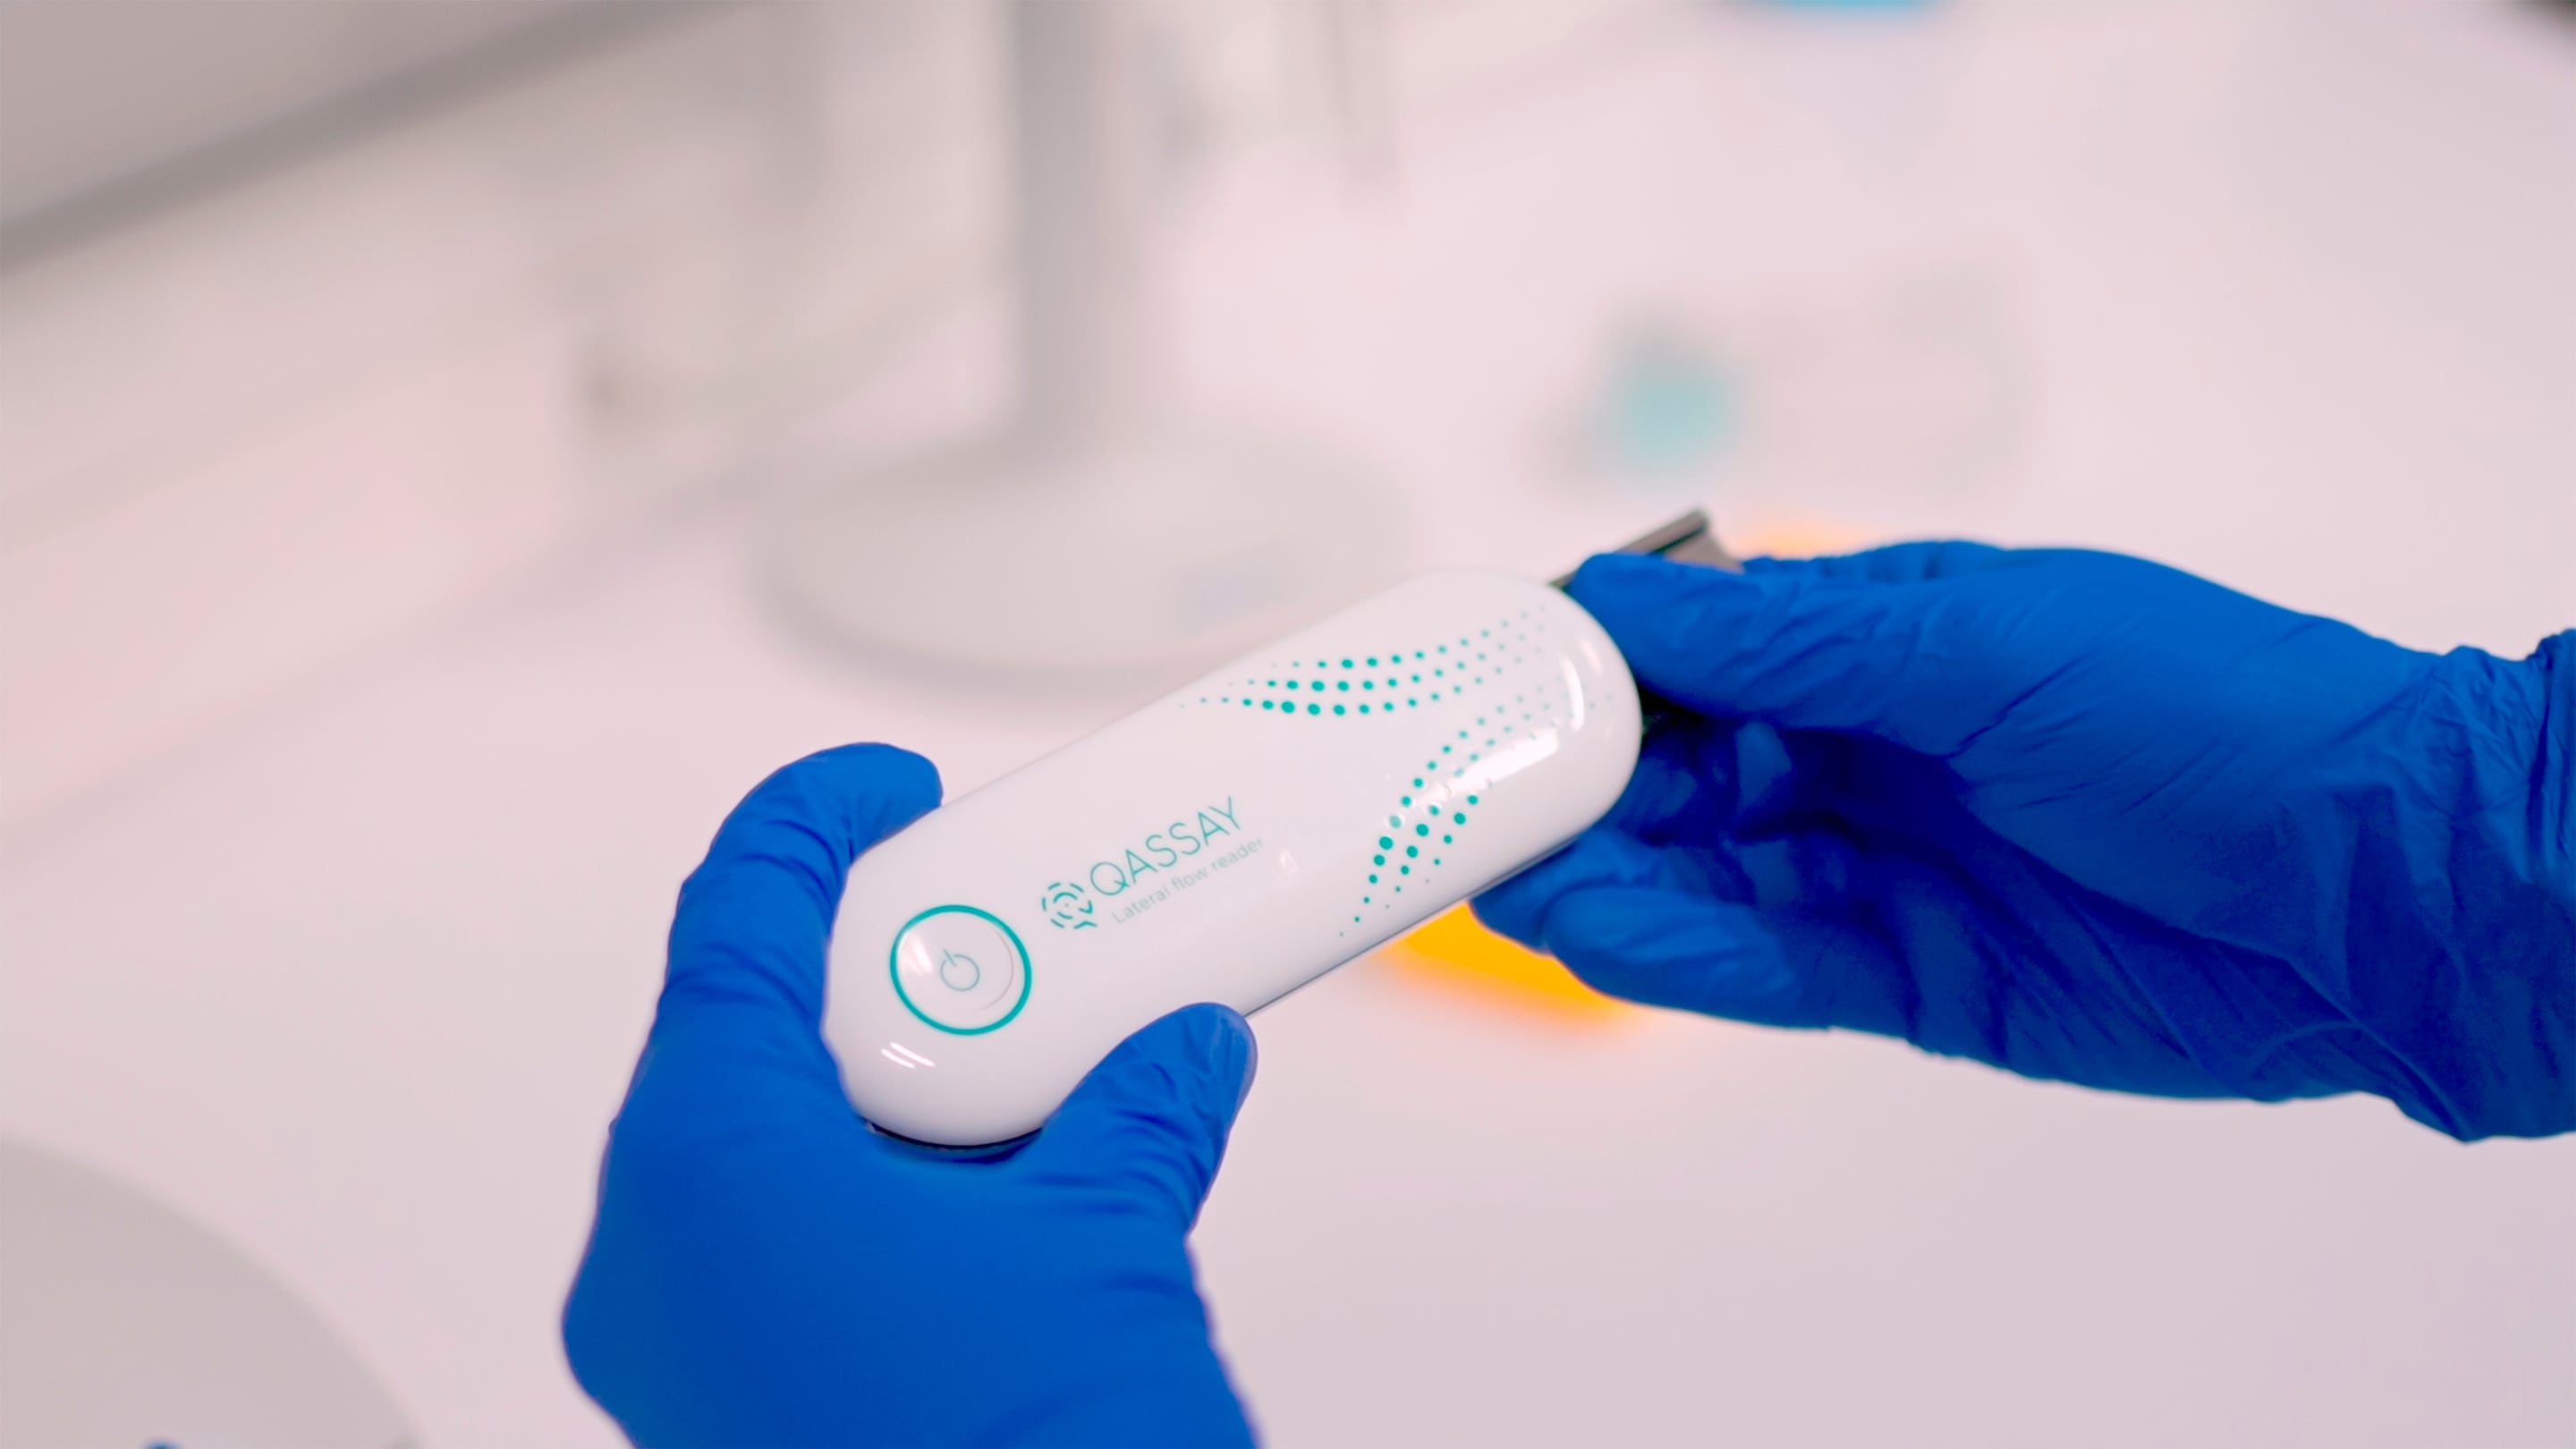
x,y
1229,842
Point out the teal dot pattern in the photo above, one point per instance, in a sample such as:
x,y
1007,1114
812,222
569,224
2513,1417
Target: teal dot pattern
x,y
1397,683
1487,689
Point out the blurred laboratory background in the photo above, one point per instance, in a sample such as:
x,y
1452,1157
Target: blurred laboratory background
x,y
449,449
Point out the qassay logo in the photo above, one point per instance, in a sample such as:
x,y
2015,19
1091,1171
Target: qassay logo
x,y
1066,907
1146,871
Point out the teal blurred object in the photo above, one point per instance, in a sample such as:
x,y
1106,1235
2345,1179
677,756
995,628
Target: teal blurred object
x,y
1669,410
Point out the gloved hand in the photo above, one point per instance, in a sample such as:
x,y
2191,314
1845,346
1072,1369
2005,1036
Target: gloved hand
x,y
2089,819
767,1271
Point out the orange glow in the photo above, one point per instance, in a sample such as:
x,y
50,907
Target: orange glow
x,y
1452,952
1794,538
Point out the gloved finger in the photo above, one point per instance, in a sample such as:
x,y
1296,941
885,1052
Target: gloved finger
x,y
1148,1126
1909,663
1897,563
748,941
1604,855
1778,777
1773,967
1683,786
1700,780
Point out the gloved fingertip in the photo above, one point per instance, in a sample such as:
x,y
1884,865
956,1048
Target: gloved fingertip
x,y
1225,1052
1510,910
1191,1068
889,786
1247,1061
872,755
1150,1122
851,796
754,916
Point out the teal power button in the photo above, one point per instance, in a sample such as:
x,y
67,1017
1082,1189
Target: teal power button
x,y
960,969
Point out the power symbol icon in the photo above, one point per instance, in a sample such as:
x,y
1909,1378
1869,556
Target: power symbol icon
x,y
960,969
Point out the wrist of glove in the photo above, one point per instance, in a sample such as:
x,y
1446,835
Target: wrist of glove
x,y
2435,965
2460,938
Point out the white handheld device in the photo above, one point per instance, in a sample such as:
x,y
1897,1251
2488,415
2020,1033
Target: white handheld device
x,y
1229,842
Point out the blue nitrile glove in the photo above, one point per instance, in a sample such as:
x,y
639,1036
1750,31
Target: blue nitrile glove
x,y
766,1271
2089,819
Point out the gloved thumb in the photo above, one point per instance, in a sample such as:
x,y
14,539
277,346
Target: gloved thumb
x,y
1915,662
1149,1124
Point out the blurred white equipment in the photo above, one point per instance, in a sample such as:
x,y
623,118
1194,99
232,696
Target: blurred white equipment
x,y
1097,534
127,1324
